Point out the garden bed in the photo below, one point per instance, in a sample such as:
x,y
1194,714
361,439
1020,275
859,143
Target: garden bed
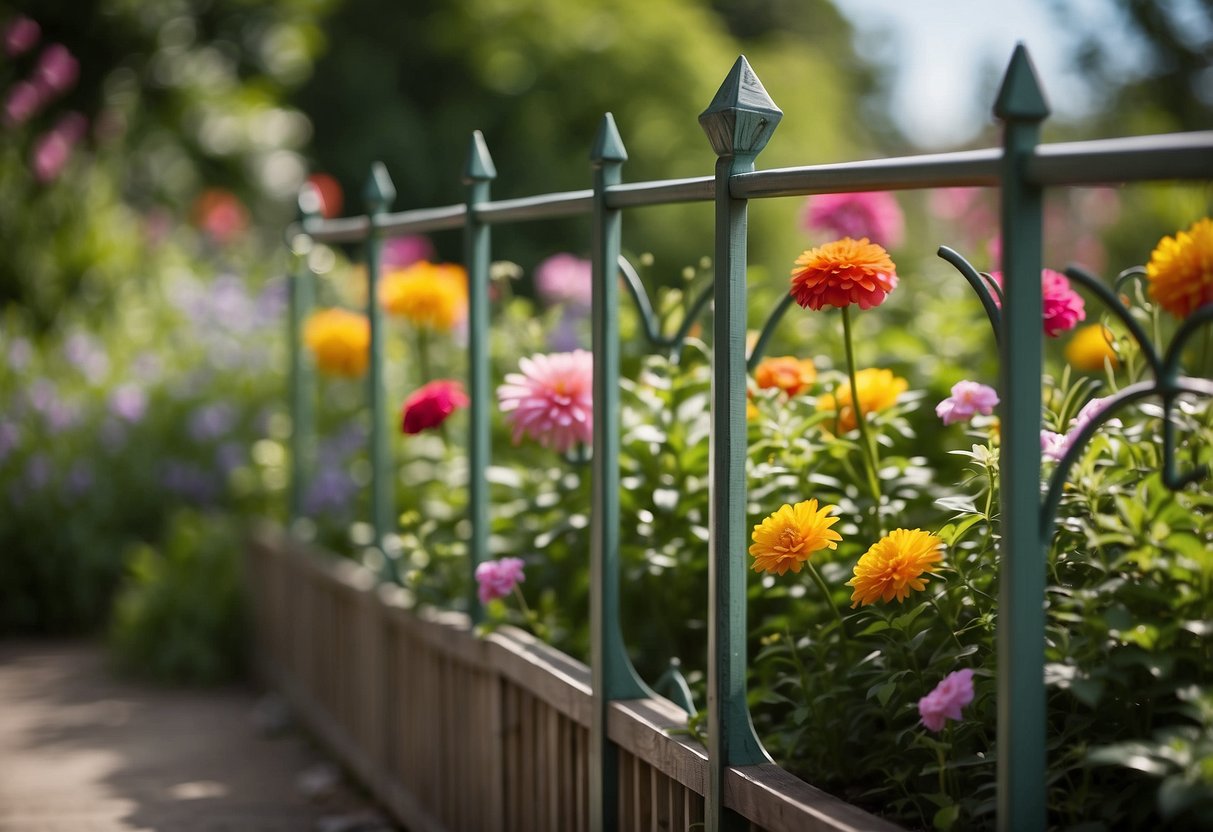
x,y
455,731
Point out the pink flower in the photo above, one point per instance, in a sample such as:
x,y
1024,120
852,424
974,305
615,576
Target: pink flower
x,y
1053,445
563,278
551,399
51,152
57,69
1062,306
875,215
497,578
945,702
399,252
24,100
430,405
20,36
967,400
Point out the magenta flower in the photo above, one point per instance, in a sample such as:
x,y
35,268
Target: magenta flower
x,y
967,400
945,702
20,36
874,214
1054,445
430,405
57,69
563,278
51,152
550,400
1062,306
23,102
497,578
399,252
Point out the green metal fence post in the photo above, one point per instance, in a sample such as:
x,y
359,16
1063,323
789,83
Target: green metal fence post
x,y
478,174
379,194
738,122
612,674
1021,626
302,298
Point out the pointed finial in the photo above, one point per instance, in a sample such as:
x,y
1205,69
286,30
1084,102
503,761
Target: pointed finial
x,y
379,192
608,147
479,167
310,203
1020,98
742,117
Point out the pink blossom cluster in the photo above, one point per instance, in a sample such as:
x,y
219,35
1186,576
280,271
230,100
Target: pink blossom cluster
x,y
564,278
53,149
551,399
874,214
1054,445
1062,307
497,578
967,400
56,72
946,700
20,36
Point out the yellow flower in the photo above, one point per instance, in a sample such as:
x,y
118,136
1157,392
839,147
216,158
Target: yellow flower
x,y
790,374
878,390
787,538
1180,270
340,341
751,411
894,565
432,295
1089,347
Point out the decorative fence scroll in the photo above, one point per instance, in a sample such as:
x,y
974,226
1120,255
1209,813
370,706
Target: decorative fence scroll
x,y
458,732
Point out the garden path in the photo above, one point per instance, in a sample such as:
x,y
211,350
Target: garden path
x,y
84,751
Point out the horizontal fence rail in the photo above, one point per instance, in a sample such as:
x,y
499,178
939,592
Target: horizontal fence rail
x,y
547,742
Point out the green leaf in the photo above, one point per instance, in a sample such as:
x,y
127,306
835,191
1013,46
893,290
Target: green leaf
x,y
946,817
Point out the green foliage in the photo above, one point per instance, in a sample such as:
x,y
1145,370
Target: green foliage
x,y
179,616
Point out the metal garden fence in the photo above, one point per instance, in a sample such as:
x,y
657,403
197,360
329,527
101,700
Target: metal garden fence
x,y
738,122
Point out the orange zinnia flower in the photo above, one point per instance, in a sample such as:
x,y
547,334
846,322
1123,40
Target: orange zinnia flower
x,y
843,272
787,538
432,295
894,565
878,390
340,340
1180,270
790,374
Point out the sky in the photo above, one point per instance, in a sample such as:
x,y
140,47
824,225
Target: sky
x,y
947,55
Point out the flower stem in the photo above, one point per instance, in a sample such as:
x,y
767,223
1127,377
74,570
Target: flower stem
x,y
947,622
825,593
869,447
423,354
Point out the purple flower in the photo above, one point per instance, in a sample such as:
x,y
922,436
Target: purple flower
x,y
57,68
211,421
946,700
42,395
1055,445
497,578
229,457
79,479
563,278
189,482
23,102
331,490
87,355
967,400
129,403
874,214
20,36
399,252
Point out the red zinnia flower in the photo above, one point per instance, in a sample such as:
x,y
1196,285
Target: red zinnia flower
x,y
430,405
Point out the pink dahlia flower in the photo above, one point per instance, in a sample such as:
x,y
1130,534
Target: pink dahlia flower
x,y
550,400
945,702
967,400
1062,306
875,215
1053,445
57,69
23,102
430,405
497,578
563,278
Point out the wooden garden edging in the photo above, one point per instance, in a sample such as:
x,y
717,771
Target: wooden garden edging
x,y
452,731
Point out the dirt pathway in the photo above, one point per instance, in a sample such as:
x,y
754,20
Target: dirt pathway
x,y
83,751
